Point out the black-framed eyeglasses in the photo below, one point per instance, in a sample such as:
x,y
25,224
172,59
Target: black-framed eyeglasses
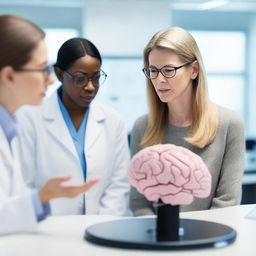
x,y
46,71
82,80
167,71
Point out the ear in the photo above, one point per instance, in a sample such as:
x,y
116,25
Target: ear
x,y
59,73
195,70
7,75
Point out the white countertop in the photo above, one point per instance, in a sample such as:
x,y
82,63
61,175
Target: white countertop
x,y
63,235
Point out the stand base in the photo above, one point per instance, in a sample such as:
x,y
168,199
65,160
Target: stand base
x,y
140,233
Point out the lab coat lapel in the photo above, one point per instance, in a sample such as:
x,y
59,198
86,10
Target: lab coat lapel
x,y
55,124
5,164
11,180
6,153
94,126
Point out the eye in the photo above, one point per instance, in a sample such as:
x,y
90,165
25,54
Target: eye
x,y
81,79
152,70
168,70
96,77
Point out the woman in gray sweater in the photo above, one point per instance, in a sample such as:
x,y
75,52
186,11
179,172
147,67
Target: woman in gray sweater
x,y
181,113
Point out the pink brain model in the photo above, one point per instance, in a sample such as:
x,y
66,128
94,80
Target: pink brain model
x,y
173,174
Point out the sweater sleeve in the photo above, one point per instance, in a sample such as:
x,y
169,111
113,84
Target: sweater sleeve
x,y
138,203
229,189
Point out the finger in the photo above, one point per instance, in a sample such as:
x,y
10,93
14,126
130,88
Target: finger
x,y
86,186
60,179
91,183
71,191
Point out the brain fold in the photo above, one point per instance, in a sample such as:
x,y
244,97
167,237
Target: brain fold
x,y
172,174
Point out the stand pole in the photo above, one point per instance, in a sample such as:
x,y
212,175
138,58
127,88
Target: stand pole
x,y
168,223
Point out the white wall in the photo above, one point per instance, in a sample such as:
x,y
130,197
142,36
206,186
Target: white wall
x,y
48,15
252,78
124,27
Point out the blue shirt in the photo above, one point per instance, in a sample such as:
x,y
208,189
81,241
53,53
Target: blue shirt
x,y
9,126
78,136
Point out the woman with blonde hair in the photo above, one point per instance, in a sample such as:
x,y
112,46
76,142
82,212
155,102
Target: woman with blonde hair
x,y
181,113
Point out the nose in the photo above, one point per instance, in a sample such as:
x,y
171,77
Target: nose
x,y
89,86
50,80
160,78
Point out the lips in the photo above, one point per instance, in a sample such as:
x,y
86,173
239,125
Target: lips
x,y
87,98
163,90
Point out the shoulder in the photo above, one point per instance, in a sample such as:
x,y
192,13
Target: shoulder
x,y
141,122
35,113
101,111
231,125
106,109
140,126
230,118
137,134
28,112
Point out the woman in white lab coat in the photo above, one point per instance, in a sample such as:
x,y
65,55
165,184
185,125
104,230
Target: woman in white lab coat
x,y
24,78
71,134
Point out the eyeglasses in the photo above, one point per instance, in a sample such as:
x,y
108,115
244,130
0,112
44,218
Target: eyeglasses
x,y
46,71
167,71
81,81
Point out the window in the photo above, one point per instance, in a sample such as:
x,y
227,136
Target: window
x,y
55,37
124,88
223,53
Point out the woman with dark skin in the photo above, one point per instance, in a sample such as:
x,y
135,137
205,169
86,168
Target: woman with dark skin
x,y
86,138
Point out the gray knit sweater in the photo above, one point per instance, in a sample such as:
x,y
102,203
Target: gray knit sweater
x,y
224,158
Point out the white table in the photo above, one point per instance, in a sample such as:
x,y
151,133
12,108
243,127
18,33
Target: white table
x,y
64,236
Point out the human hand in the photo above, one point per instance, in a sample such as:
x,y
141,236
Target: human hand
x,y
55,189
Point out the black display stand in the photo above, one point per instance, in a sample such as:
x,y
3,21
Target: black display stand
x,y
165,232
167,223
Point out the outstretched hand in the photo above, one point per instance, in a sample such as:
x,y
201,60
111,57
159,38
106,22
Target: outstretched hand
x,y
55,189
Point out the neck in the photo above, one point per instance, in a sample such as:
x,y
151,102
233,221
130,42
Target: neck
x,y
180,114
73,109
9,102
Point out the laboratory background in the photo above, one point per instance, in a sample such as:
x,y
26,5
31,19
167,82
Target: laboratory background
x,y
225,31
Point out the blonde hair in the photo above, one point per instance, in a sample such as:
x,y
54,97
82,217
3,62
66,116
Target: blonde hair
x,y
204,113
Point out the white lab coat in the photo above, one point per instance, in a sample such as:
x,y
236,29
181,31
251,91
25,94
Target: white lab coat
x,y
17,212
47,150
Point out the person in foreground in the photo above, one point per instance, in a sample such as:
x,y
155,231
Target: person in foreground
x,y
181,113
70,133
24,78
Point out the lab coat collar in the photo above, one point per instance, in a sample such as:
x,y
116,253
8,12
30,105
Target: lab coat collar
x,y
57,127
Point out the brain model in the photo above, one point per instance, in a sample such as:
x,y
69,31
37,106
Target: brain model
x,y
173,174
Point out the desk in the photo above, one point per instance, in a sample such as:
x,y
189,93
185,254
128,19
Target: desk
x,y
63,236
